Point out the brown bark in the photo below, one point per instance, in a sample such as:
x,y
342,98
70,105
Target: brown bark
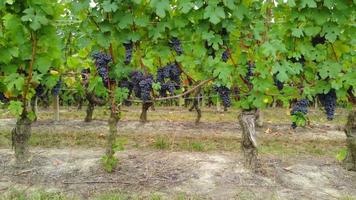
x,y
89,113
259,118
34,106
92,102
20,136
248,142
196,105
145,107
350,130
113,120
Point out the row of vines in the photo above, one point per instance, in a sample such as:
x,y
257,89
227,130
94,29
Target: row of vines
x,y
115,52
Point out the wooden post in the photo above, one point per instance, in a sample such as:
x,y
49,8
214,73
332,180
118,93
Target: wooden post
x,y
350,130
56,107
248,142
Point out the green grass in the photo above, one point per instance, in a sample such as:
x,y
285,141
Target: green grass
x,y
281,145
271,115
16,194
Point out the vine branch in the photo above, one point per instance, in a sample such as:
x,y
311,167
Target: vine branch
x,y
30,69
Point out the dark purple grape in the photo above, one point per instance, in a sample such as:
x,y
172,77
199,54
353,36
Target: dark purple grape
x,y
224,94
128,52
277,83
318,40
175,44
146,88
301,107
3,98
225,55
57,87
101,63
300,60
328,101
250,68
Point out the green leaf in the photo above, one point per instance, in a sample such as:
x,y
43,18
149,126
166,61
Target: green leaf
x,y
121,94
42,64
109,6
15,108
161,7
297,32
5,55
309,3
329,3
125,20
329,69
142,21
341,155
312,30
185,5
214,13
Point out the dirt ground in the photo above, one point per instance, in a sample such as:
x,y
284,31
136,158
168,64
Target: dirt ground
x,y
217,175
76,171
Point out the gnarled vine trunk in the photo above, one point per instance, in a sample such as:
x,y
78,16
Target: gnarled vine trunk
x,y
196,105
92,102
34,106
89,112
20,137
248,142
145,107
259,118
113,120
350,130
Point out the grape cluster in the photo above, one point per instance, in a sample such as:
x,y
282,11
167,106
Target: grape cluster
x,y
168,86
224,94
128,52
136,77
225,55
328,101
277,82
101,63
40,90
57,87
250,68
146,87
141,85
171,72
175,44
300,107
318,40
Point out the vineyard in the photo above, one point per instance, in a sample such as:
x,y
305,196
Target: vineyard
x,y
177,99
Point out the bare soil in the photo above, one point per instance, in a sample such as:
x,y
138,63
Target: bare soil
x,y
217,175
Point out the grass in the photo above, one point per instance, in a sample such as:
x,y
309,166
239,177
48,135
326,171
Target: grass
x,y
271,115
273,145
39,194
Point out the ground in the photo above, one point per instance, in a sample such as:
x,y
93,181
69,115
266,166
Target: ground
x,y
172,158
